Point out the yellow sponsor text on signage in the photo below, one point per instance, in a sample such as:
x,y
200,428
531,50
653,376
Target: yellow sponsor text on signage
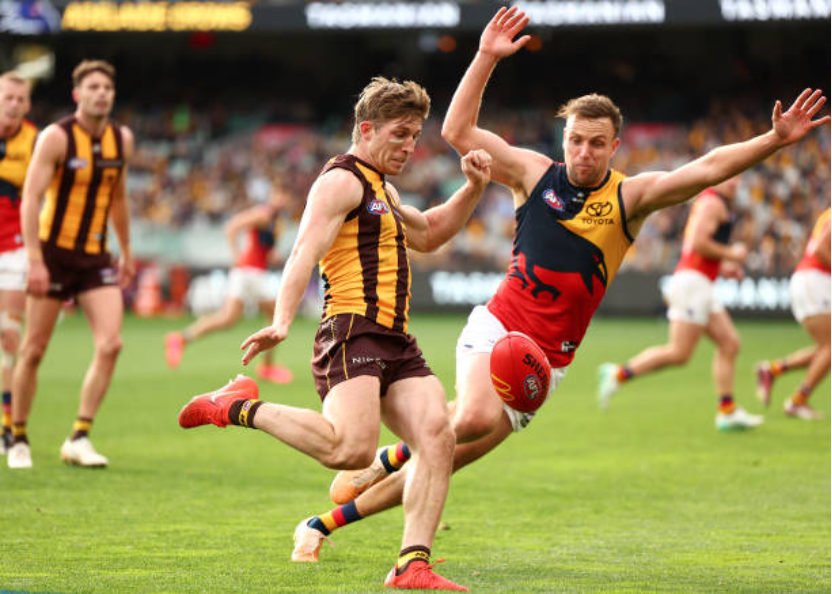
x,y
156,16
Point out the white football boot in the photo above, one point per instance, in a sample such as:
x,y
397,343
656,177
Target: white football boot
x,y
802,411
608,384
737,420
81,453
308,543
19,455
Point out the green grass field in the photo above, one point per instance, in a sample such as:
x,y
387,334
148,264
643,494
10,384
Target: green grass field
x,y
647,497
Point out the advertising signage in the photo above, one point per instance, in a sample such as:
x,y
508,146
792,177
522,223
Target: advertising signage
x,y
26,17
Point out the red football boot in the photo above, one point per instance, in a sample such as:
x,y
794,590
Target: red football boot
x,y
419,576
213,407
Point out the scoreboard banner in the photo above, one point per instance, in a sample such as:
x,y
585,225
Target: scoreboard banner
x,y
33,17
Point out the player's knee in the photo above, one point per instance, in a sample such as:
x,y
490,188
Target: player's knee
x,y
346,457
470,424
109,348
32,354
10,341
730,347
436,438
679,355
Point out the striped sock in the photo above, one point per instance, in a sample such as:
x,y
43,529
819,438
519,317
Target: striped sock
x,y
242,412
778,367
623,374
414,554
393,457
801,397
80,428
19,433
7,411
338,517
727,404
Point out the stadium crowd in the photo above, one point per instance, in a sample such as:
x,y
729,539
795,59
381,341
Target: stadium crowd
x,y
204,165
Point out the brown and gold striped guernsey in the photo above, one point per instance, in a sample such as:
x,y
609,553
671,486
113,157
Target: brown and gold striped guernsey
x,y
366,271
74,215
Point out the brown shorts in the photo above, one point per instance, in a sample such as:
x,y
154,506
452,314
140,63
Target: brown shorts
x,y
350,345
71,273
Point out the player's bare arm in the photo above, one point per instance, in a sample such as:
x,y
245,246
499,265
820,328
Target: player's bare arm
x,y
822,249
427,231
120,214
330,200
50,150
651,191
712,214
250,217
518,169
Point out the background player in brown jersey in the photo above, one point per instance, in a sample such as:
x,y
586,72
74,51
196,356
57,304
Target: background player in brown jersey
x,y
593,122
694,308
367,368
17,140
80,164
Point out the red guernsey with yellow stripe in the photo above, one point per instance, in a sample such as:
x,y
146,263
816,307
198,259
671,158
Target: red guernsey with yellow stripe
x,y
74,215
366,270
15,155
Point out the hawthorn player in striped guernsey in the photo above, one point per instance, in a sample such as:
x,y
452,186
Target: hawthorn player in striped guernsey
x,y
574,223
80,164
17,141
367,368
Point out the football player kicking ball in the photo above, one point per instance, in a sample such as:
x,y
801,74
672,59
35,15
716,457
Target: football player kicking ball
x,y
574,223
367,367
810,288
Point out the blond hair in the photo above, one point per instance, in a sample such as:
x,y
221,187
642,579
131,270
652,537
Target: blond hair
x,y
384,100
593,106
87,67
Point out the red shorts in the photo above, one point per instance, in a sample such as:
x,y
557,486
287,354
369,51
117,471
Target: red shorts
x,y
350,345
71,273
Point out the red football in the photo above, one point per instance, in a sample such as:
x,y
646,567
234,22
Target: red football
x,y
520,372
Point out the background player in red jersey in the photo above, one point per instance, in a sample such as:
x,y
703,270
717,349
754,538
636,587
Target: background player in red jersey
x,y
17,141
574,222
247,282
810,295
694,308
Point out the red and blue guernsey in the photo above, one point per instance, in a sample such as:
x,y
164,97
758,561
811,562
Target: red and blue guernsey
x,y
692,260
568,245
259,242
15,154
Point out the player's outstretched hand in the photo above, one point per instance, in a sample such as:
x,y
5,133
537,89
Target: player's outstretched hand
x,y
498,34
797,121
262,340
476,166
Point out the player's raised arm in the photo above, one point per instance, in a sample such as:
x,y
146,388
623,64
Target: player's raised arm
x,y
427,231
650,191
49,151
512,167
330,200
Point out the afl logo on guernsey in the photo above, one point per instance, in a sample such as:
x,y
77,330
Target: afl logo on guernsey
x,y
77,163
378,207
550,198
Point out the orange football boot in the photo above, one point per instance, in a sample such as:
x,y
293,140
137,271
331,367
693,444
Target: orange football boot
x,y
419,576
